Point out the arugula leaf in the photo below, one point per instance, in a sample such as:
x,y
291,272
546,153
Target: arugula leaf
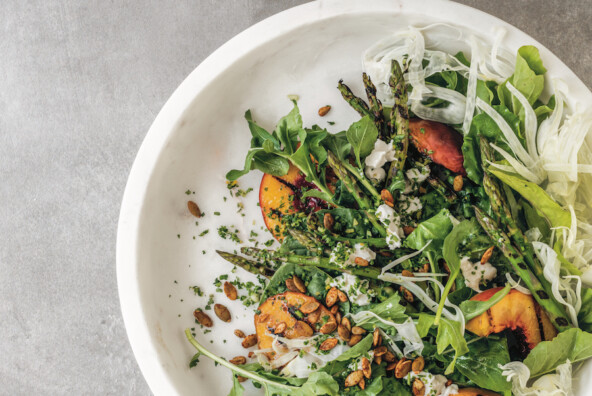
x,y
472,308
449,334
538,198
260,135
287,129
337,144
573,344
424,323
194,360
237,388
362,135
481,364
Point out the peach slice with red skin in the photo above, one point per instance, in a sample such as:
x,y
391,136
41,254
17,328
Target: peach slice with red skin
x,y
279,309
439,142
281,195
516,311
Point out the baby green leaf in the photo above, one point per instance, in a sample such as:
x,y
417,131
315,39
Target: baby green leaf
x,y
362,135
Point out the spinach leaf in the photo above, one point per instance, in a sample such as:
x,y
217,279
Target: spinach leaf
x,y
362,135
434,229
537,197
573,344
319,383
472,309
375,387
270,163
389,309
357,350
394,387
314,279
481,364
585,315
449,334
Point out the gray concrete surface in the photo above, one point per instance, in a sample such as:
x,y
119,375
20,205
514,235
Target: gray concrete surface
x,y
80,83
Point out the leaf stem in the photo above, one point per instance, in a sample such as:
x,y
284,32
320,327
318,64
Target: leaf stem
x,y
235,368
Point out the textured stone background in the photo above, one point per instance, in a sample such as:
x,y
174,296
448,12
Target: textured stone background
x,y
80,83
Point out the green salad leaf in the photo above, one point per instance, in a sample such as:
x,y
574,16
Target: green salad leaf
x,y
314,279
573,344
472,308
434,229
362,135
481,364
537,197
449,333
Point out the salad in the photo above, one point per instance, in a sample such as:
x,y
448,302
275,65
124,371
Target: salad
x,y
438,246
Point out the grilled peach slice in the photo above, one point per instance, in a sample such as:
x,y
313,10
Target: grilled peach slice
x,y
516,311
280,314
280,196
439,142
476,392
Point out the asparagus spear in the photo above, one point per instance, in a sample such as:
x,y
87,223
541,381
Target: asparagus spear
x,y
375,106
399,120
358,104
315,261
341,172
501,240
442,188
502,211
248,265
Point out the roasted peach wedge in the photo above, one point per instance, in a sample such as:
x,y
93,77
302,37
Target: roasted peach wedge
x,y
291,315
516,311
280,196
439,142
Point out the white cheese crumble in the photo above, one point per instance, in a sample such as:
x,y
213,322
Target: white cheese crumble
x,y
381,154
418,175
346,257
357,290
394,231
435,385
410,204
475,273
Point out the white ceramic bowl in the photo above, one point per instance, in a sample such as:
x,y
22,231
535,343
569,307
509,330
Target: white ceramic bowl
x,y
200,134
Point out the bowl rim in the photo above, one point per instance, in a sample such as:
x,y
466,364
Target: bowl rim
x,y
165,123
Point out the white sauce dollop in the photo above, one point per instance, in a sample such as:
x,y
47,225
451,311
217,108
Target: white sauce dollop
x,y
394,231
475,273
435,385
357,290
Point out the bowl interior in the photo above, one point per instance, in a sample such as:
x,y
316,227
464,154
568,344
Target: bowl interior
x,y
210,138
